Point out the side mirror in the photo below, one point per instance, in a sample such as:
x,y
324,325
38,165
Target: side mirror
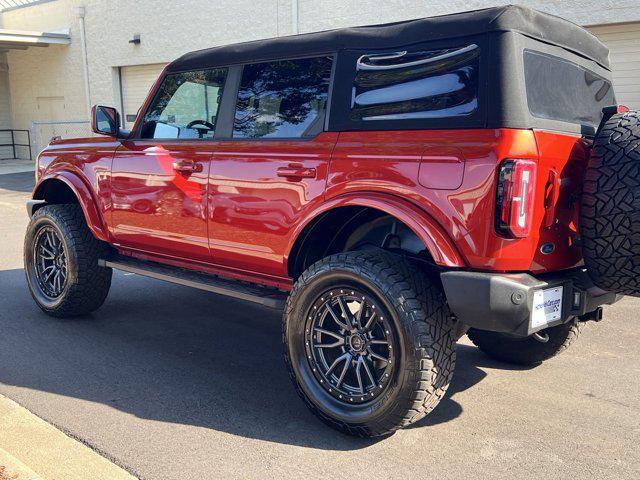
x,y
105,120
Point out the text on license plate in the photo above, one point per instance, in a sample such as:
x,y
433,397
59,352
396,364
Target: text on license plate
x,y
547,306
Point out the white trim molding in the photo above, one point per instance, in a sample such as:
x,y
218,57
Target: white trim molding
x,y
22,39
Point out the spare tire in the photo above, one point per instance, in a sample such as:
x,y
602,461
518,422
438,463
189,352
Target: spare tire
x,y
610,209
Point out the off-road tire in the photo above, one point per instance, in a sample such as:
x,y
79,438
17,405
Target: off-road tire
x,y
525,351
610,210
87,283
423,324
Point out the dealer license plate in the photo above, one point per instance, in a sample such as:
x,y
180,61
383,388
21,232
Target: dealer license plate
x,y
547,306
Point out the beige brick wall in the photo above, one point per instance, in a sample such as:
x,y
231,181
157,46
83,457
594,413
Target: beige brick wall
x,y
45,72
169,29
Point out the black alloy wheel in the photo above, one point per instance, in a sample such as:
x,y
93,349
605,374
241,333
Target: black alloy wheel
x,y
350,345
369,341
50,262
61,262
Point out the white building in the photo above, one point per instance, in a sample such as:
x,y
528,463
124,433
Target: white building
x,y
59,56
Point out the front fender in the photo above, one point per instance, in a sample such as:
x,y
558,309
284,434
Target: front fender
x,y
87,202
440,246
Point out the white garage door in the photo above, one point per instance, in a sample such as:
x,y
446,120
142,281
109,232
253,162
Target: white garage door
x,y
624,45
136,82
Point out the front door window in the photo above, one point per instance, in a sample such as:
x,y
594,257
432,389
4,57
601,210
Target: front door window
x,y
185,106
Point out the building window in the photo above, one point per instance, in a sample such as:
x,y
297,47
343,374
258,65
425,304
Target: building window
x,y
186,105
416,84
284,99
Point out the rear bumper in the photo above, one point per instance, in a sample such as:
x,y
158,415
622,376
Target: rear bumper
x,y
504,302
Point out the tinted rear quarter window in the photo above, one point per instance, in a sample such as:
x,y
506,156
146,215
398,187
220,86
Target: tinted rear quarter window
x,y
283,99
416,84
558,89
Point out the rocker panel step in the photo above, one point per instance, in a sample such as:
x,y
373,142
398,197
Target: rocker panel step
x,y
267,296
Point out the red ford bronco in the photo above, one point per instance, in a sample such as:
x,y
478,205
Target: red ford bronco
x,y
393,187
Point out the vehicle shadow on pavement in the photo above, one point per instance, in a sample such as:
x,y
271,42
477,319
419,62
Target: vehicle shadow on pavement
x,y
17,182
171,354
468,372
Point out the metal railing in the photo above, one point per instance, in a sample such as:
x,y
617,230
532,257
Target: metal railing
x,y
43,132
8,143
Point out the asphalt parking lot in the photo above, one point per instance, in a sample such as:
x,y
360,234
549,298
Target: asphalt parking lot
x,y
173,383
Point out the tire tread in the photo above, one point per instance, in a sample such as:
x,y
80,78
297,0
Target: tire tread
x,y
431,326
610,208
527,351
92,283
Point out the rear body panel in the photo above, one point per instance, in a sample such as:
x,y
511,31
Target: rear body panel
x,y
562,160
401,163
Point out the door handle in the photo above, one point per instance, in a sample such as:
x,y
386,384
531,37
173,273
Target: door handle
x,y
187,166
293,171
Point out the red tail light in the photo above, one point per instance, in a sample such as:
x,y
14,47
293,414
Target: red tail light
x,y
514,200
613,109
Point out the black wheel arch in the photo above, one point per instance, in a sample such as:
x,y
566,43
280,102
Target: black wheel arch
x,y
55,191
350,228
67,188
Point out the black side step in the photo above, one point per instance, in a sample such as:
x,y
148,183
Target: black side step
x,y
267,296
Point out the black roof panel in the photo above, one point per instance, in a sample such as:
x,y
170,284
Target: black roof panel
x,y
542,26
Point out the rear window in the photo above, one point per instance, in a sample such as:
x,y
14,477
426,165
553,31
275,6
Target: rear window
x,y
558,89
418,84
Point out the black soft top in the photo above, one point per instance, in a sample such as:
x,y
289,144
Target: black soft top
x,y
538,25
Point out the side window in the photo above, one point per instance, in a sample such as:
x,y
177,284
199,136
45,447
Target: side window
x,y
416,84
284,99
186,105
558,89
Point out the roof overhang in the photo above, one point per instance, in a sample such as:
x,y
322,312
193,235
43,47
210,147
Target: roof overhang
x,y
23,39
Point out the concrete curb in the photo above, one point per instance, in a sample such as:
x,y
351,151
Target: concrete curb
x,y
32,449
13,469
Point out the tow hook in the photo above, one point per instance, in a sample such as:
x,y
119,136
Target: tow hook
x,y
541,337
596,315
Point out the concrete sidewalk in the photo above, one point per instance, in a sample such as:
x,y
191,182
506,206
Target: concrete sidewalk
x,y
32,449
